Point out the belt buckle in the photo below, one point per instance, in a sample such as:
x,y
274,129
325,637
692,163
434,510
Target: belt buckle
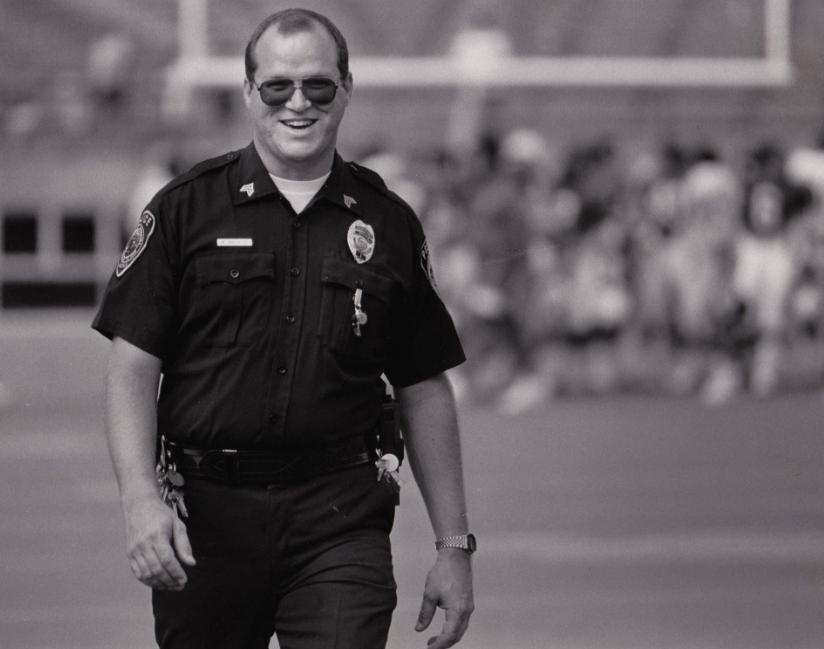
x,y
221,465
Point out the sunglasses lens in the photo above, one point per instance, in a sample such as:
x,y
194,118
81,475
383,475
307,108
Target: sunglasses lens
x,y
319,91
278,91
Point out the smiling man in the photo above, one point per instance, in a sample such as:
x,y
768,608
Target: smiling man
x,y
273,288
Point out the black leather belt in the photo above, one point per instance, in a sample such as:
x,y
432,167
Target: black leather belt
x,y
267,467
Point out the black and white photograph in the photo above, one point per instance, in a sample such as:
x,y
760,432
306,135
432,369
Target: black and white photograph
x,y
367,324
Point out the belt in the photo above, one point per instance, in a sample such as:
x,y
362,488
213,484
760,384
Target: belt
x,y
267,467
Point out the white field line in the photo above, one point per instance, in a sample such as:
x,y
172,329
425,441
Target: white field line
x,y
687,545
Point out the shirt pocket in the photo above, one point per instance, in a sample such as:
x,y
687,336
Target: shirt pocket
x,y
235,297
340,280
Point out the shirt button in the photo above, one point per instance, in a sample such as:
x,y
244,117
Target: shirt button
x,y
282,369
359,283
234,273
295,272
296,224
290,319
273,417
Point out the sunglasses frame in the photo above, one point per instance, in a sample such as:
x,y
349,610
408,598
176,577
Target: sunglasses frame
x,y
297,84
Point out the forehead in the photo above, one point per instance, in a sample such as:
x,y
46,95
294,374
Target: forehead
x,y
303,53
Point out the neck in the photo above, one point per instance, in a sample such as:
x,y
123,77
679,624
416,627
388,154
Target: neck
x,y
296,170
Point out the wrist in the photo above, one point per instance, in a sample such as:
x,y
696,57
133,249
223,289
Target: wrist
x,y
465,543
138,494
454,554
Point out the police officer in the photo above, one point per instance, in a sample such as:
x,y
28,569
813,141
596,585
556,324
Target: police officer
x,y
272,288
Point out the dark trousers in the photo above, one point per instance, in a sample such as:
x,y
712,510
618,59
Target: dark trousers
x,y
310,561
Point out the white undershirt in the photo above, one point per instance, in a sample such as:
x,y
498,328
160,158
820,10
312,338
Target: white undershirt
x,y
299,192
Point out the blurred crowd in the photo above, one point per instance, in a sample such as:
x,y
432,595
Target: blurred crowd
x,y
591,273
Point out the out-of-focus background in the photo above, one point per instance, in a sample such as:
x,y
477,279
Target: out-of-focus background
x,y
624,200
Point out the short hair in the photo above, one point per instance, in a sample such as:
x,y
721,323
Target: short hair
x,y
292,21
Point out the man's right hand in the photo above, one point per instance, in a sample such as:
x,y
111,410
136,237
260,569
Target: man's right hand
x,y
157,544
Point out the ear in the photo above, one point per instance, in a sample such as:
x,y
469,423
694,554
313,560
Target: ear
x,y
348,87
248,89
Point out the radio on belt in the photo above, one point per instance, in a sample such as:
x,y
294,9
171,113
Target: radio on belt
x,y
390,447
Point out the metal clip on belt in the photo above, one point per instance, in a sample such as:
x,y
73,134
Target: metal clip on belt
x,y
266,467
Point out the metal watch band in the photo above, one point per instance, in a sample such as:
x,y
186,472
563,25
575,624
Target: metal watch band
x,y
462,542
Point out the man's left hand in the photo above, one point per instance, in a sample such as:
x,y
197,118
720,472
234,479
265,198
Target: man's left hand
x,y
448,586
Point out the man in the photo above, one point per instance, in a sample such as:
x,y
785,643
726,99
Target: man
x,y
272,288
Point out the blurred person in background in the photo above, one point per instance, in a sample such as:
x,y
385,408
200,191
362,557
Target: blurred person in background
x,y
160,166
599,302
272,288
767,268
487,267
686,279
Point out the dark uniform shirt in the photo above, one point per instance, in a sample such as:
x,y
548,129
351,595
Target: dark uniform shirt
x,y
250,305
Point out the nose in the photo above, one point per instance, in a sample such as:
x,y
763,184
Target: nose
x,y
298,101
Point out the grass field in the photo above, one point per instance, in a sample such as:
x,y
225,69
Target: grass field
x,y
628,523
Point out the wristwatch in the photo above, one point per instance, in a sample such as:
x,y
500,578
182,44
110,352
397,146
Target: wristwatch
x,y
464,542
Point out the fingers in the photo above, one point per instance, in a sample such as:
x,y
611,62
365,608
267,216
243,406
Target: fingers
x,y
152,570
154,561
183,548
453,629
428,607
169,570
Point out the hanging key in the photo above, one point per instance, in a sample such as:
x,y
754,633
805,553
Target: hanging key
x,y
388,465
177,504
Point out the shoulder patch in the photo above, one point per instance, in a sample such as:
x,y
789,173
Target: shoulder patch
x,y
137,243
426,264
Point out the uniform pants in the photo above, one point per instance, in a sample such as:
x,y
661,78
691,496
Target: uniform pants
x,y
309,561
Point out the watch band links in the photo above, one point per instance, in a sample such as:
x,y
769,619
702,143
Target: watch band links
x,y
462,542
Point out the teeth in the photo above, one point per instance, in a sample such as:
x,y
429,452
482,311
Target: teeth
x,y
298,123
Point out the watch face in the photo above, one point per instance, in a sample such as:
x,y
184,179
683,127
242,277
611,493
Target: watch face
x,y
471,544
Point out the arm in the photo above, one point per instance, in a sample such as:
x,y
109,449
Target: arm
x,y
156,539
430,426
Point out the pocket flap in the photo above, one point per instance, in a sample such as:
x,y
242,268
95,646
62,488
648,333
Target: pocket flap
x,y
355,277
234,268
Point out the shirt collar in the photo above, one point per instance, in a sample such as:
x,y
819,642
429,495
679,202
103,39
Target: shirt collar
x,y
339,187
253,181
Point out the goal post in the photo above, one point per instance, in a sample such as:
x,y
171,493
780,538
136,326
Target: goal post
x,y
196,69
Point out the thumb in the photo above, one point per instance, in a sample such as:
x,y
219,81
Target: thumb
x,y
180,540
427,613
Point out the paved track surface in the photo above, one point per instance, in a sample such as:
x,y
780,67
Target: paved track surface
x,y
613,524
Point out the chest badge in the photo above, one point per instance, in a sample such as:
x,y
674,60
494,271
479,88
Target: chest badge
x,y
249,189
361,240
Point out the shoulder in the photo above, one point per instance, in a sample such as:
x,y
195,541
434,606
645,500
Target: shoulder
x,y
374,181
201,171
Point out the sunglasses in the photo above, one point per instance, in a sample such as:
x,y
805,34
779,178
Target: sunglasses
x,y
277,92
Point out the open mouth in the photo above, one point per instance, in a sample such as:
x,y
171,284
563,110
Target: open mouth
x,y
298,124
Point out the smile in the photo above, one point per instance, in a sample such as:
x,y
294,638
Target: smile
x,y
298,124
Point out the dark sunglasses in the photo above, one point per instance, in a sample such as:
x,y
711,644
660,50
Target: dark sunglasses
x,y
277,92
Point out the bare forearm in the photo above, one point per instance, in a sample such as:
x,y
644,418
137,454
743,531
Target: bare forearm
x,y
131,425
430,425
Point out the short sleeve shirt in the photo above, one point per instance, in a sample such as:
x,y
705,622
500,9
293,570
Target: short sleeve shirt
x,y
252,308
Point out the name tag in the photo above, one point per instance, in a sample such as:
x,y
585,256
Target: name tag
x,y
234,243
